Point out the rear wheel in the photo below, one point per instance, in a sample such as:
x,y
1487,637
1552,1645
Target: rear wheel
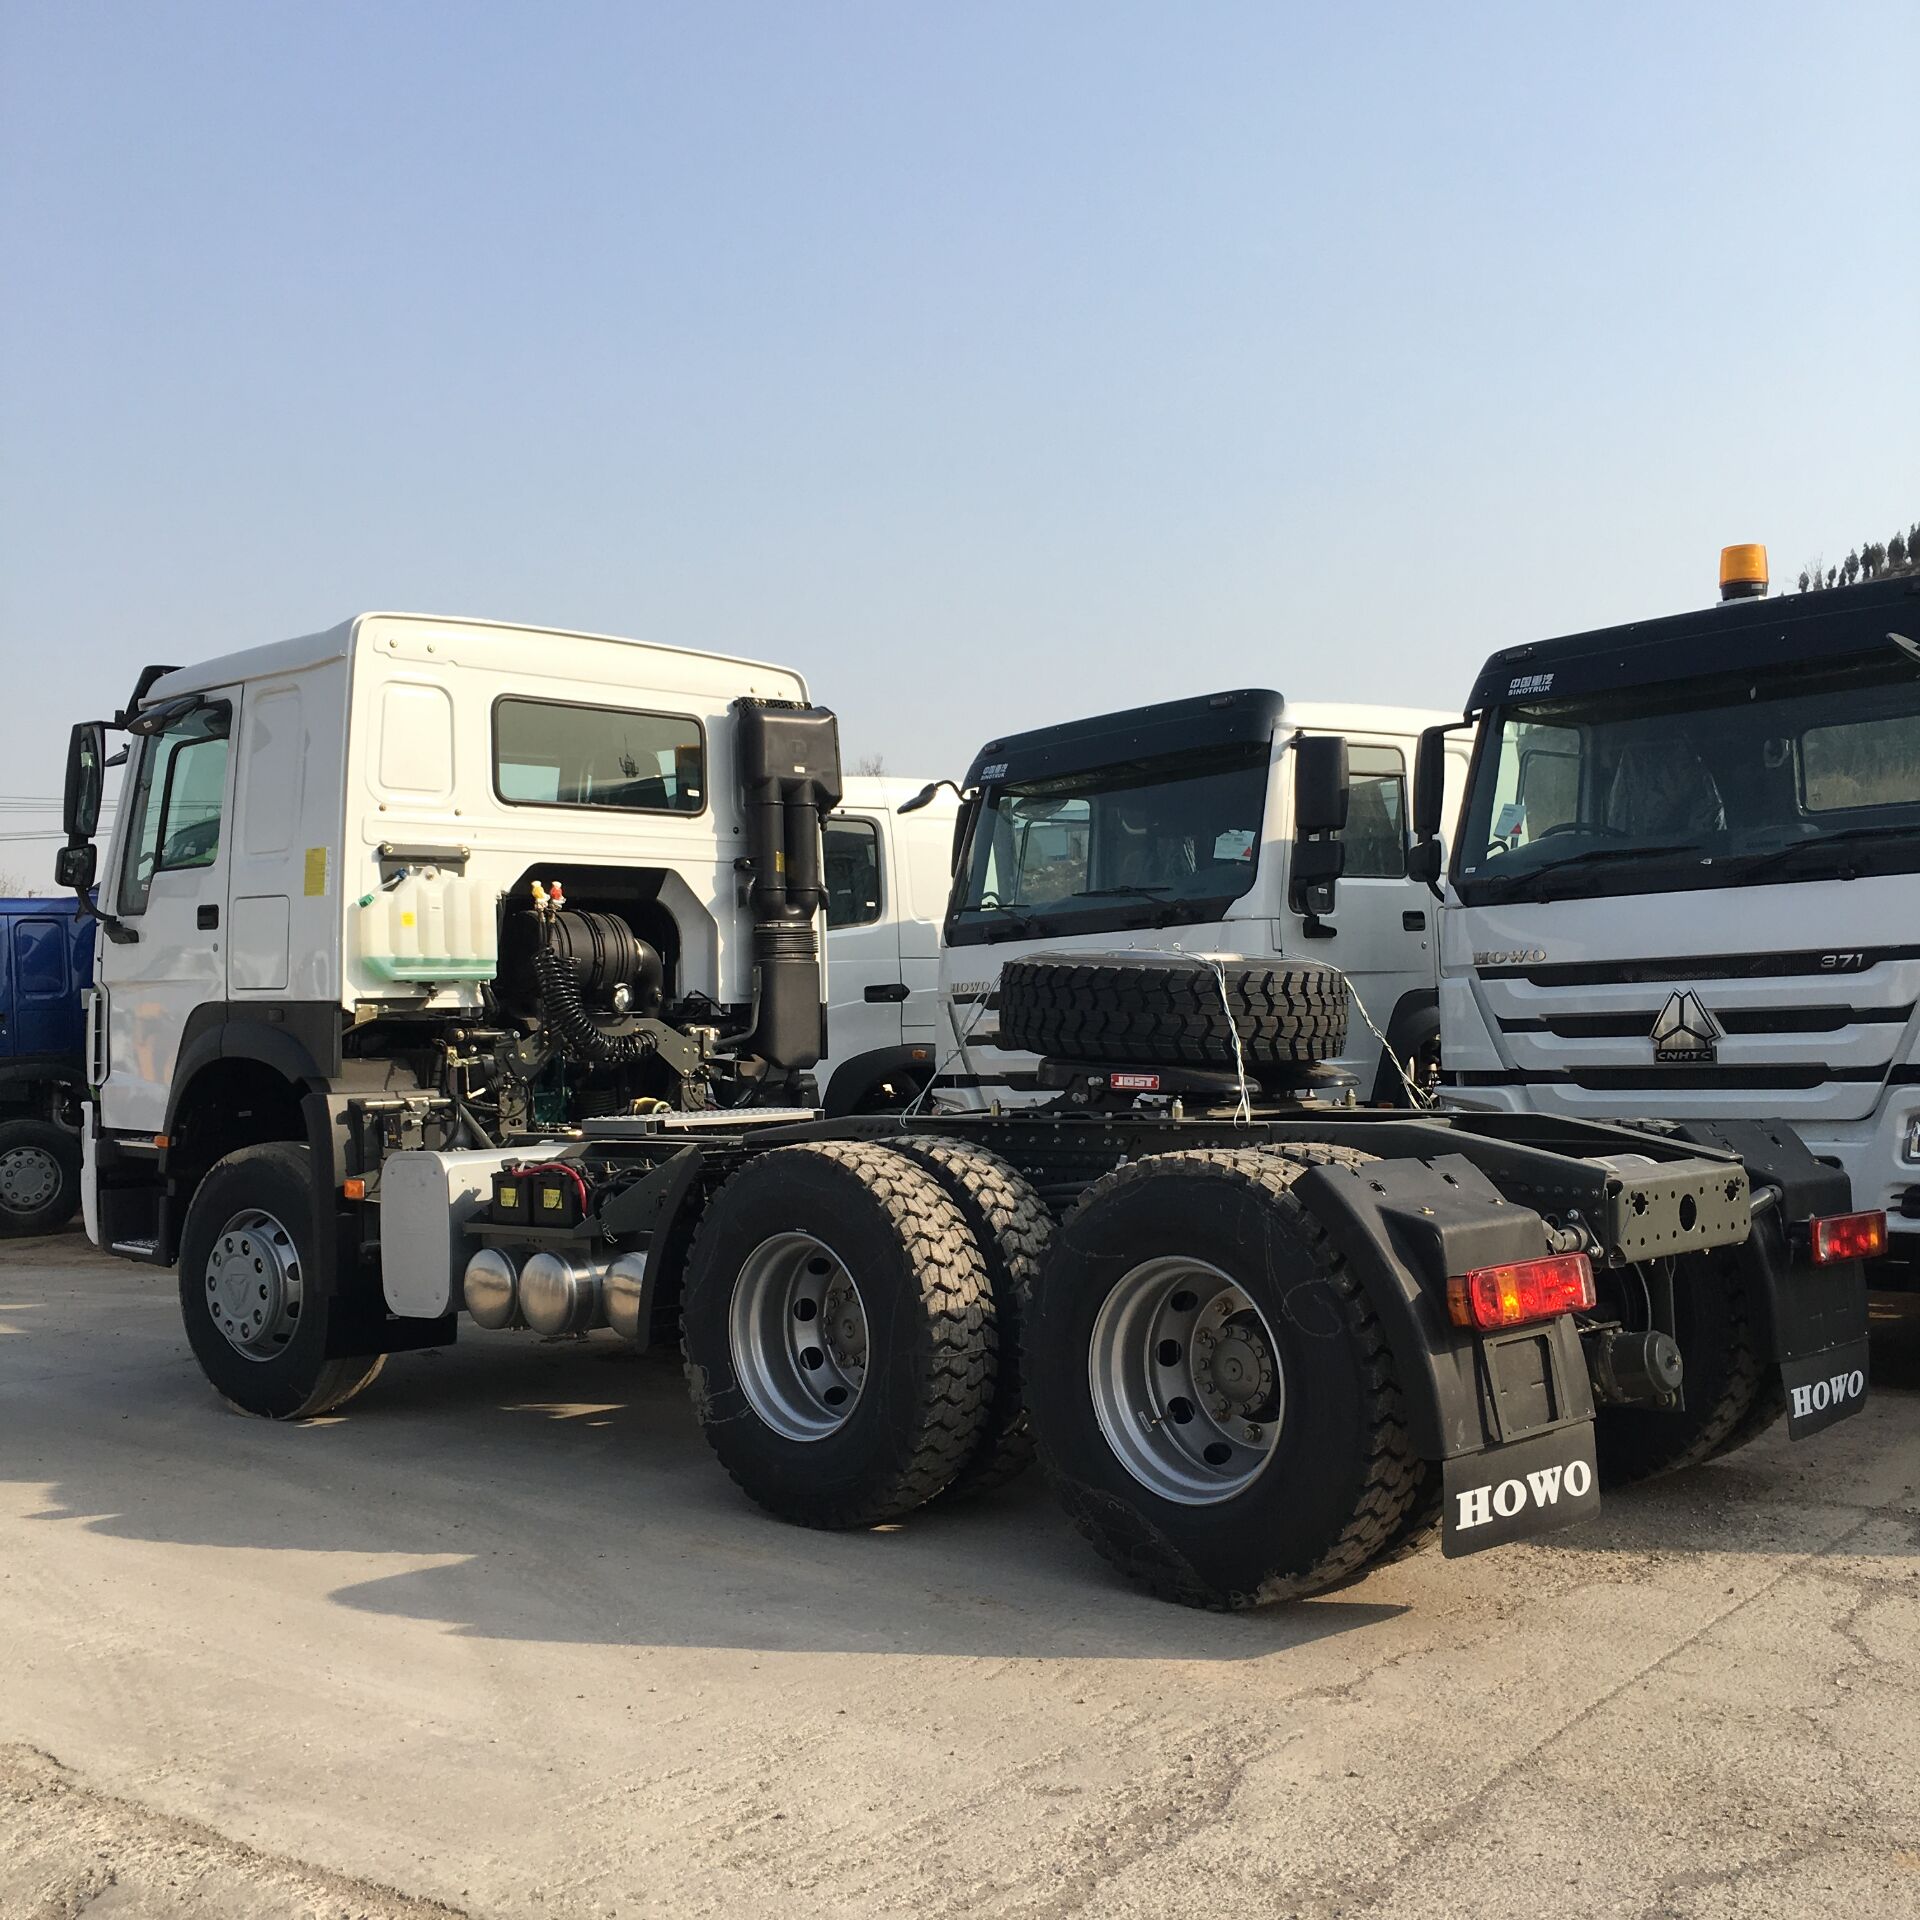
x,y
39,1177
839,1333
1716,1327
1013,1228
251,1293
1215,1402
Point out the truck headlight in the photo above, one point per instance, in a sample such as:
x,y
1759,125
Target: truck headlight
x,y
1910,1146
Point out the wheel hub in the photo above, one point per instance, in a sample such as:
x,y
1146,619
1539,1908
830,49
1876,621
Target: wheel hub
x,y
254,1284
797,1328
1186,1381
29,1178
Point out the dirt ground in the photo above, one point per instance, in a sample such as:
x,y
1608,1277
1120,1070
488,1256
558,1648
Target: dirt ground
x,y
501,1640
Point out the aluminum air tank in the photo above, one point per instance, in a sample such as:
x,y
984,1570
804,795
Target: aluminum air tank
x,y
491,1289
560,1292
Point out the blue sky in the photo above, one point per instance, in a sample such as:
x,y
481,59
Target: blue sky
x,y
992,363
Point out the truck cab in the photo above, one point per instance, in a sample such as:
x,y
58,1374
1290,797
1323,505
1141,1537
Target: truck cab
x,y
1180,827
332,879
1684,884
46,958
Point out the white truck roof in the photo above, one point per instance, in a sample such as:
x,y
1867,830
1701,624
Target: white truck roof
x,y
335,643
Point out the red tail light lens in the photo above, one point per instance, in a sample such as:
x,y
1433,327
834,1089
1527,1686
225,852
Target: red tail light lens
x,y
1510,1296
1847,1236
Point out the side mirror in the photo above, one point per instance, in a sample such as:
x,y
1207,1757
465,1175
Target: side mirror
x,y
1430,782
86,771
1319,784
1424,861
924,797
1319,810
74,867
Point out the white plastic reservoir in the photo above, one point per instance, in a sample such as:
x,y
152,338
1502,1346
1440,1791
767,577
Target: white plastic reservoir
x,y
428,925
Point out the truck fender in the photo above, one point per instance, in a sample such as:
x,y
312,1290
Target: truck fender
x,y
1415,1014
1404,1226
855,1079
663,1205
213,1035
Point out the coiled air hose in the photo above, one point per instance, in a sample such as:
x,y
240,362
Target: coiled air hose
x,y
566,1012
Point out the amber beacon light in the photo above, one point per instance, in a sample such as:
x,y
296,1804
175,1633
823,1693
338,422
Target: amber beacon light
x,y
1743,572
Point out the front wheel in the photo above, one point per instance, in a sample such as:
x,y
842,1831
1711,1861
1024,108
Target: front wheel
x,y
1215,1401
39,1177
251,1293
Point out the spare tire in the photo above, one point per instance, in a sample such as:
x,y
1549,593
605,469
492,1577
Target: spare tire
x,y
1169,1009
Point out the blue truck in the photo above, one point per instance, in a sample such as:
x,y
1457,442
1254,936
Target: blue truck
x,y
46,963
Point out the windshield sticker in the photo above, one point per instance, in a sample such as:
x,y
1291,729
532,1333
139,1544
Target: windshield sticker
x,y
1529,683
1512,817
1235,844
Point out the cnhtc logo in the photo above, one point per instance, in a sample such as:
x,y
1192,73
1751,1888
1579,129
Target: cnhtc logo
x,y
1684,1030
1831,1392
1478,1505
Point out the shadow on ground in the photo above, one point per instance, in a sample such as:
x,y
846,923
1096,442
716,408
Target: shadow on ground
x,y
561,1492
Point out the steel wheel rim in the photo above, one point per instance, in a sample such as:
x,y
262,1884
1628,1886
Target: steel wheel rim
x,y
254,1285
29,1179
1187,1381
798,1331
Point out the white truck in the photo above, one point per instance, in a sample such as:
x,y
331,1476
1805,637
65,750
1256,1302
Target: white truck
x,y
1686,884
886,883
1176,829
454,969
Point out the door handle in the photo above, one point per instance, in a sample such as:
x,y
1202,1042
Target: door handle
x,y
206,918
1414,921
895,990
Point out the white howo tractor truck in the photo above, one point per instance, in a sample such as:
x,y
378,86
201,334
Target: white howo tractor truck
x,y
1185,828
1682,894
455,971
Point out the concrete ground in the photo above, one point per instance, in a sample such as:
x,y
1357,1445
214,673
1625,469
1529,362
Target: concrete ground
x,y
502,1640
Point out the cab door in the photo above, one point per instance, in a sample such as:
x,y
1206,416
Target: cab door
x,y
168,888
1383,923
866,992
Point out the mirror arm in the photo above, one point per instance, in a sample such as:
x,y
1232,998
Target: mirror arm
x,y
925,796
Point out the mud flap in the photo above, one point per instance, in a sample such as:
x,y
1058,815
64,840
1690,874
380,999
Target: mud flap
x,y
1526,1488
1824,1387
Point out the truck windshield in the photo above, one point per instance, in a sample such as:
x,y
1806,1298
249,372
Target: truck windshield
x,y
1145,843
1746,778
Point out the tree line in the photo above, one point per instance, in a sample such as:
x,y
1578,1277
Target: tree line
x,y
1871,560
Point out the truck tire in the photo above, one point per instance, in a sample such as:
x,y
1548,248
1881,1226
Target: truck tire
x,y
1215,1402
1013,1228
1161,1010
1719,1345
39,1177
839,1333
1420,1525
255,1318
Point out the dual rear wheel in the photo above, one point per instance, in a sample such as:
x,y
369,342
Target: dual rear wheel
x,y
1210,1393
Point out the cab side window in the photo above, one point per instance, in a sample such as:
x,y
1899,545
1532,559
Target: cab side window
x,y
1375,835
853,873
177,797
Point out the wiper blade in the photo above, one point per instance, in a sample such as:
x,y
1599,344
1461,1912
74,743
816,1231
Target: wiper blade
x,y
1115,893
1589,857
1748,864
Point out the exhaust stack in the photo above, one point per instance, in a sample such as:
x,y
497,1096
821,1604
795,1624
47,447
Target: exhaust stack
x,y
789,760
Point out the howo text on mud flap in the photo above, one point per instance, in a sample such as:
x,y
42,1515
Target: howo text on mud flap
x,y
503,994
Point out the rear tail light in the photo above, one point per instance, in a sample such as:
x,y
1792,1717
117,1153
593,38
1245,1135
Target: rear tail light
x,y
1510,1296
1847,1236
